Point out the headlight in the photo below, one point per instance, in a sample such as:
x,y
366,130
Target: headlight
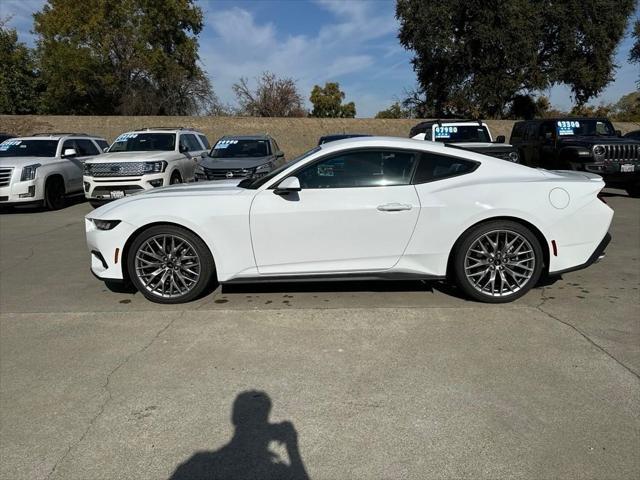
x,y
514,157
598,150
29,172
154,167
199,169
104,224
261,170
87,169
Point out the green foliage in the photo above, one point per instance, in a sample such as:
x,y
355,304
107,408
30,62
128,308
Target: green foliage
x,y
627,109
327,102
526,107
134,57
272,97
473,57
394,111
634,54
18,80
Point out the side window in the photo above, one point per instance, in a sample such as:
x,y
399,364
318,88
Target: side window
x,y
532,129
204,141
365,168
545,128
518,129
69,144
86,147
102,144
433,166
189,140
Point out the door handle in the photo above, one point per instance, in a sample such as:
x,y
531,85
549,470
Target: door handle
x,y
394,207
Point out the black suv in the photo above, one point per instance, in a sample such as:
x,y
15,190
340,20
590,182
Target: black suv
x,y
584,144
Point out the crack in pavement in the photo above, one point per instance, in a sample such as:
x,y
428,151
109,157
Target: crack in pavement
x,y
105,387
583,334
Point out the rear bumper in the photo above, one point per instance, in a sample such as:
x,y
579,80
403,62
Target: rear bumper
x,y
596,256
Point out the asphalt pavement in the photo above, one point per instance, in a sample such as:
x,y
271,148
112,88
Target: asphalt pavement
x,y
358,380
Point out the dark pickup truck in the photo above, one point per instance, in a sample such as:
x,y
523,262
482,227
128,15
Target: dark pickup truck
x,y
582,144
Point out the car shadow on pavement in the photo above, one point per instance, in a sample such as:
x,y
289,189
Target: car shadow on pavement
x,y
30,209
332,286
248,454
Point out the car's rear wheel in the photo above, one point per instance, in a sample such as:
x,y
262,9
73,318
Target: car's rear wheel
x,y
498,261
54,194
169,264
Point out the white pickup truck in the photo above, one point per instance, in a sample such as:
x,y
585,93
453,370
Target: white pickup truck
x,y
45,168
144,159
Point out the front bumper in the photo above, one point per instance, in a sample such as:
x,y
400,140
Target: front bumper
x,y
612,174
21,193
100,188
106,249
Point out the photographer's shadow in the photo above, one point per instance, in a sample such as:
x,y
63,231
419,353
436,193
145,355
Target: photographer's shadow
x,y
248,454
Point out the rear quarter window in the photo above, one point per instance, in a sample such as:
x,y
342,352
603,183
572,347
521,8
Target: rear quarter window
x,y
433,166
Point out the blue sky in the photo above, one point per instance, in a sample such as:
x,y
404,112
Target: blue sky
x,y
350,41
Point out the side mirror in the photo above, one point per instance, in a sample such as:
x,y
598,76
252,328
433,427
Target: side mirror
x,y
619,133
500,139
287,186
279,154
105,149
204,155
182,148
69,152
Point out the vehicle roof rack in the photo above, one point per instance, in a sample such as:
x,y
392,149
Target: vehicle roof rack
x,y
165,128
59,134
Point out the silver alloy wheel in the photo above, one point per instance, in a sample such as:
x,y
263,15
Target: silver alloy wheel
x,y
499,263
167,265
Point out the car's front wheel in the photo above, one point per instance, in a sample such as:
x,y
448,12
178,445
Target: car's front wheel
x,y
169,264
498,261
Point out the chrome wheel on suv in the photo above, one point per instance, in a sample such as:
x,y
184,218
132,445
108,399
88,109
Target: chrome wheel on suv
x,y
498,261
169,264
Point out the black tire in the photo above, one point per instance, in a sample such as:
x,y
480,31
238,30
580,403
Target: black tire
x,y
54,194
463,253
633,191
204,257
175,178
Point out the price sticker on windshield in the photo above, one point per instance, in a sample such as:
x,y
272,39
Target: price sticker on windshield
x,y
126,136
224,144
444,132
4,146
567,127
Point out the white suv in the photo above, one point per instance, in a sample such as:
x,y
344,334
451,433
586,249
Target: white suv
x,y
143,159
45,168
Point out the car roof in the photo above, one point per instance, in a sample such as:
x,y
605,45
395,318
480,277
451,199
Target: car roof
x,y
58,136
247,137
554,119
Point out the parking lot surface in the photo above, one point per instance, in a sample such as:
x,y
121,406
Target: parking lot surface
x,y
377,379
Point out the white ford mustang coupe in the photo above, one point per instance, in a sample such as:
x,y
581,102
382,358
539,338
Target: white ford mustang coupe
x,y
366,208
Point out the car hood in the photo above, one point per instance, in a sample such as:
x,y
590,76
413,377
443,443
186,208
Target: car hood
x,y
603,140
19,162
230,163
132,157
222,188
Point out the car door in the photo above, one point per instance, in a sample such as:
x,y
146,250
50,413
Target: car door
x,y
356,211
73,166
192,153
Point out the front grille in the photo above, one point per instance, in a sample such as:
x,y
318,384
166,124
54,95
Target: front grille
x,y
122,169
224,173
5,176
620,153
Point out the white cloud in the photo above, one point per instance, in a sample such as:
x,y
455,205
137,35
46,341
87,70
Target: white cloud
x,y
236,44
20,13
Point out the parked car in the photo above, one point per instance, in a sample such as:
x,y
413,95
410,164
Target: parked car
x,y
582,144
5,136
370,207
340,136
45,168
144,159
635,135
245,156
467,134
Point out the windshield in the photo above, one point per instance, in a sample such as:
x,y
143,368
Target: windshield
x,y
28,148
232,148
583,127
461,133
257,183
144,142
